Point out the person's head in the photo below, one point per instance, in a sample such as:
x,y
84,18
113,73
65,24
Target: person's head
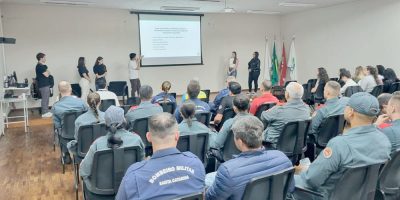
x,y
241,103
101,83
361,109
383,100
234,88
99,60
145,93
230,79
381,69
81,62
234,56
331,90
345,75
193,89
390,74
393,108
93,100
64,88
41,57
373,72
255,54
359,72
266,86
115,120
323,74
163,131
132,56
187,110
294,91
166,86
248,132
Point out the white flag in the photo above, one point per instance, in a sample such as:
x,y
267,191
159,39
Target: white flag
x,y
267,61
292,62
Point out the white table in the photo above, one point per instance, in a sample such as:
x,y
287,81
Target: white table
x,y
21,99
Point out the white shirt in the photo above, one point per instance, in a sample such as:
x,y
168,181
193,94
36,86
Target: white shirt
x,y
349,82
133,70
231,65
367,83
105,94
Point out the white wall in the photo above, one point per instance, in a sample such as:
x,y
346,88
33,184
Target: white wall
x,y
1,72
65,33
359,33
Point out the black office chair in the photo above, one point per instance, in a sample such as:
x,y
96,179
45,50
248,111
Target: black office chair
x,y
168,107
278,92
318,96
227,114
269,187
352,90
140,127
76,90
329,128
203,117
173,94
377,90
197,144
109,167
230,148
307,96
207,99
262,108
195,196
133,101
394,87
106,103
388,187
334,79
287,82
356,183
126,108
292,140
120,88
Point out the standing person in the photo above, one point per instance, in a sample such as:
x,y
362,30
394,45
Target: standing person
x,y
100,70
254,72
233,65
84,83
134,67
43,82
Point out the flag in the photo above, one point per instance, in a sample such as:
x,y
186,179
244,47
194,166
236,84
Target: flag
x,y
292,62
283,67
275,73
267,61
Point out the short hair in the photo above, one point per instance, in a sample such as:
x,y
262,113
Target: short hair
x,y
162,125
295,90
241,102
230,79
249,129
193,89
40,56
64,87
345,73
267,85
132,55
235,88
145,92
334,87
101,83
383,99
396,98
166,86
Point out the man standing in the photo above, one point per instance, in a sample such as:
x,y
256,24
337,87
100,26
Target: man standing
x,y
134,67
43,83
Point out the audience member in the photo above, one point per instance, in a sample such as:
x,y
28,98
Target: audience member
x,y
100,71
392,116
164,96
383,100
134,67
322,79
221,94
145,109
229,182
359,74
370,80
43,83
201,95
104,93
345,76
254,72
234,89
190,125
381,72
169,173
390,77
266,97
84,83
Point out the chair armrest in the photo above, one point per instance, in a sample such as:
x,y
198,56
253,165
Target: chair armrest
x,y
306,190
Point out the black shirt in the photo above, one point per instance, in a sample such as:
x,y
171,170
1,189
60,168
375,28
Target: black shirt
x,y
41,79
82,70
254,65
227,102
99,69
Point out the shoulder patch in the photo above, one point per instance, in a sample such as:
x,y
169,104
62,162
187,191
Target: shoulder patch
x,y
133,107
327,152
384,125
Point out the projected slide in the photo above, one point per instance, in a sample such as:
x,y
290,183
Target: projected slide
x,y
170,39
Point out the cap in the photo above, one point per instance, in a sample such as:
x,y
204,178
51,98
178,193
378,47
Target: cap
x,y
114,115
364,103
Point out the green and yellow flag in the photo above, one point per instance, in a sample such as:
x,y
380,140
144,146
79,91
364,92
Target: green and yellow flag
x,y
275,66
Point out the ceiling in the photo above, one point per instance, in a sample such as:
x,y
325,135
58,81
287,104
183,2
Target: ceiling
x,y
199,6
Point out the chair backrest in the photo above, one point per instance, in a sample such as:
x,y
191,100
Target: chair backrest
x,y
334,79
278,92
352,90
389,179
126,108
87,134
173,94
287,82
168,107
133,101
195,196
394,87
106,103
76,90
141,127
109,166
230,148
312,82
203,117
227,114
207,99
329,128
196,143
120,88
68,127
357,183
269,187
264,107
377,90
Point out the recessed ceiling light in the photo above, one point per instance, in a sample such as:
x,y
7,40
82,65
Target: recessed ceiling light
x,y
293,4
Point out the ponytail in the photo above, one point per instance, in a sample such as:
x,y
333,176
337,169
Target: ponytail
x,y
165,86
113,141
93,101
188,110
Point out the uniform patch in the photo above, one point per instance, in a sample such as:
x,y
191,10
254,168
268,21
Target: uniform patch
x,y
327,152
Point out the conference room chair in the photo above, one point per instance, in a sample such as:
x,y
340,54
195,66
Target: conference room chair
x,y
394,87
227,114
109,167
140,127
262,108
207,99
126,108
195,143
173,94
356,183
278,92
334,79
203,117
76,90
318,96
195,196
273,186
388,187
87,134
120,88
230,148
67,132
329,128
352,90
307,96
168,107
377,90
287,82
106,103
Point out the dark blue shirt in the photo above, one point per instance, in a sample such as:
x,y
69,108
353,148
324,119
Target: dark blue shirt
x,y
160,98
83,70
218,99
200,106
99,69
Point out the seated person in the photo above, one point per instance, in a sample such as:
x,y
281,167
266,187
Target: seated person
x,y
361,145
190,125
193,90
322,78
92,116
104,93
266,97
221,94
230,181
164,96
169,173
392,117
117,137
234,89
383,100
241,107
145,108
67,103
201,95
370,80
345,76
278,116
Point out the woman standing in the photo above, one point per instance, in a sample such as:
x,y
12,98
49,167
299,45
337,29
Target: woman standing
x,y
254,72
84,83
233,65
100,70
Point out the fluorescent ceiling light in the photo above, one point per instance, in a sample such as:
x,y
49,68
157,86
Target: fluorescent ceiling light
x,y
263,12
66,2
177,8
293,4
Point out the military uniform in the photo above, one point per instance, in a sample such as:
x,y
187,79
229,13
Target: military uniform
x,y
145,109
392,131
168,174
66,104
160,98
197,127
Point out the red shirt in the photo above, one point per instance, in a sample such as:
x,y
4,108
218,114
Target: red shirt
x,y
265,98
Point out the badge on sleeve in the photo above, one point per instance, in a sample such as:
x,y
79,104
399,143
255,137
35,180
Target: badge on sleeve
x,y
327,152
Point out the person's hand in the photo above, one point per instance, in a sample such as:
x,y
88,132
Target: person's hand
x,y
382,119
313,90
300,168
